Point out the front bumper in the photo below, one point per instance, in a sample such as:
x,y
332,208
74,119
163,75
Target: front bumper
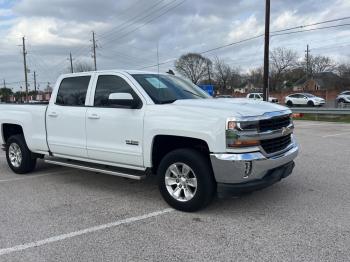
x,y
249,167
319,103
272,177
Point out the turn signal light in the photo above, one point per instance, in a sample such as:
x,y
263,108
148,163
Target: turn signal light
x,y
245,143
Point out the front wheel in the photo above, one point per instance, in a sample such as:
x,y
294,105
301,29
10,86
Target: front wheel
x,y
186,180
310,103
19,158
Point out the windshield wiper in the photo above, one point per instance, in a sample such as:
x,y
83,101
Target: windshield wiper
x,y
167,101
192,93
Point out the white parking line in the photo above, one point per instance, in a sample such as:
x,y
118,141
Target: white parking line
x,y
81,232
339,134
31,176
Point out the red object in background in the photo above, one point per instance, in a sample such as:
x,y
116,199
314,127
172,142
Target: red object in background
x,y
297,115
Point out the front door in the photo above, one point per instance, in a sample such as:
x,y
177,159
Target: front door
x,y
114,133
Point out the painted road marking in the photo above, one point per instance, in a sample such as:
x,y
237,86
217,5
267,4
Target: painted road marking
x,y
31,176
339,134
53,239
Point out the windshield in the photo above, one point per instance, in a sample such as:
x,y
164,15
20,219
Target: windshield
x,y
168,88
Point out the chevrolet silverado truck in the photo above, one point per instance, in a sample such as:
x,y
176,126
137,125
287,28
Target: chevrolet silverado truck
x,y
134,124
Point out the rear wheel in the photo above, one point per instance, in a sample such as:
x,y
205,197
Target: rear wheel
x,y
186,180
19,158
341,102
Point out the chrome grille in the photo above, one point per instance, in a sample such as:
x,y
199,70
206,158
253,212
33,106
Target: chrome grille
x,y
276,144
275,123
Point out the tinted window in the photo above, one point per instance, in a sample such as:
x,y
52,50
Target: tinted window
x,y
72,91
251,96
109,84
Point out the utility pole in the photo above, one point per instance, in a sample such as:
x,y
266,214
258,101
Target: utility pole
x,y
4,83
25,66
34,84
267,50
307,51
94,49
71,62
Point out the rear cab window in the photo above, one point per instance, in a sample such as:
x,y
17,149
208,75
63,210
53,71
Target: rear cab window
x,y
72,91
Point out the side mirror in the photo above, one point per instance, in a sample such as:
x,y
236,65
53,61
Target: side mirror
x,y
123,100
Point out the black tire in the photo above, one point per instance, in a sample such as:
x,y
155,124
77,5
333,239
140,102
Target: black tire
x,y
200,165
341,102
310,103
28,162
289,103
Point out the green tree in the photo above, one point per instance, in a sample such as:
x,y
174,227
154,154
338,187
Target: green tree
x,y
5,94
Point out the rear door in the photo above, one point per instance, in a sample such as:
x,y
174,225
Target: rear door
x,y
66,117
114,133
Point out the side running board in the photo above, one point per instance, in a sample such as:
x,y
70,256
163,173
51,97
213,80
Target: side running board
x,y
110,170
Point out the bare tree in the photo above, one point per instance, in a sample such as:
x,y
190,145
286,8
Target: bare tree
x,y
193,66
319,64
82,67
256,76
222,74
282,60
344,70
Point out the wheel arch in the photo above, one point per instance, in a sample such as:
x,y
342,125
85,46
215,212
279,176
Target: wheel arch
x,y
10,129
163,144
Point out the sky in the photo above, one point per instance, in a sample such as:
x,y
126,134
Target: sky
x,y
128,33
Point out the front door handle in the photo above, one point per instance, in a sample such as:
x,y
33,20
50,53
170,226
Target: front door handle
x,y
53,114
94,116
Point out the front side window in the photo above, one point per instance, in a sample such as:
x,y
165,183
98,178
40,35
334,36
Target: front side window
x,y
110,84
168,88
72,91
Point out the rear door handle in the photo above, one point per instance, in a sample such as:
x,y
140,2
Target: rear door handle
x,y
94,116
53,114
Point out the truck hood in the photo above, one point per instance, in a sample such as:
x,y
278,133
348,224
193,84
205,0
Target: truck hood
x,y
230,106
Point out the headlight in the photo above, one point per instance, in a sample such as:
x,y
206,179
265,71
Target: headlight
x,y
233,130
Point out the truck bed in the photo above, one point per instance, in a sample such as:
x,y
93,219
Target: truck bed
x,y
32,119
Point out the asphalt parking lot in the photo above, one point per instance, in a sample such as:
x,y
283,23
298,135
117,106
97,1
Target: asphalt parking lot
x,y
61,214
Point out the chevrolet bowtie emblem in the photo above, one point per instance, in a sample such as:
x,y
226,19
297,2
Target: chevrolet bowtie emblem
x,y
284,130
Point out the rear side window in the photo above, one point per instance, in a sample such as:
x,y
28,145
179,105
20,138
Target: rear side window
x,y
251,96
72,91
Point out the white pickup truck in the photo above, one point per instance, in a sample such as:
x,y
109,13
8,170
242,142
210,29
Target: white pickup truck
x,y
134,124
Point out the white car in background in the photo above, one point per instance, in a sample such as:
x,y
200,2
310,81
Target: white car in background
x,y
260,96
304,99
343,98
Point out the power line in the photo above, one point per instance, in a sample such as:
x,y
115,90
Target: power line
x,y
248,39
318,23
312,29
129,21
147,22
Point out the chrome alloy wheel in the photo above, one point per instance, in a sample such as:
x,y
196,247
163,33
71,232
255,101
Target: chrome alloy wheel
x,y
15,155
181,182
